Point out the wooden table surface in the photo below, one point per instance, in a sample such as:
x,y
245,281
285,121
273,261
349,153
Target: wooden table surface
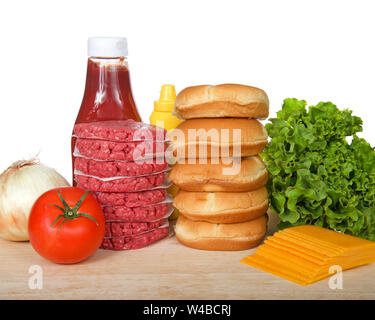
x,y
164,270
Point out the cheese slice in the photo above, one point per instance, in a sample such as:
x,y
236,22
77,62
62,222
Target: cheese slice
x,y
299,247
298,251
315,245
305,254
286,266
293,259
310,245
270,267
331,238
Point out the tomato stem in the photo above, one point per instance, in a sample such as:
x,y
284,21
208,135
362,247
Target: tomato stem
x,y
60,216
87,216
71,213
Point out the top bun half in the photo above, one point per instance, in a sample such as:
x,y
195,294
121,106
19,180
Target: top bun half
x,y
224,100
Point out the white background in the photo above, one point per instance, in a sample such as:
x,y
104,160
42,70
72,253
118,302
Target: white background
x,y
312,50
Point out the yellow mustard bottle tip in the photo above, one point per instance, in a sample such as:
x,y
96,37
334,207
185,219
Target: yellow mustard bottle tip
x,y
167,98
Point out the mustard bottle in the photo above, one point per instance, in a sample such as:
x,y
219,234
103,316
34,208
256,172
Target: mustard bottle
x,y
163,108
162,116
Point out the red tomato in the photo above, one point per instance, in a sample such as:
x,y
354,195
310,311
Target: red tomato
x,y
63,230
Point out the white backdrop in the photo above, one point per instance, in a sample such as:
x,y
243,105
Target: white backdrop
x,y
312,50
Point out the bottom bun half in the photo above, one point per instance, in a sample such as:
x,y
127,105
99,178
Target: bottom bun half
x,y
221,237
222,207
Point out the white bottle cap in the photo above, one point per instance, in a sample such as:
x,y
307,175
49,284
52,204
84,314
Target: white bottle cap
x,y
107,47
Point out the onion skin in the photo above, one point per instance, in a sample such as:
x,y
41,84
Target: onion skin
x,y
20,186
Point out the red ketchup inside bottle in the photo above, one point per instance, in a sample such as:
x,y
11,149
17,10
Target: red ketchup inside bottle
x,y
108,94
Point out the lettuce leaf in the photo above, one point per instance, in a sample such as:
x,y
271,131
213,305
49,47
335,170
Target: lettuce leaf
x,y
316,176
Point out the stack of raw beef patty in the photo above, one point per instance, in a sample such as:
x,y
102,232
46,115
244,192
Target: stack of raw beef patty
x,y
122,163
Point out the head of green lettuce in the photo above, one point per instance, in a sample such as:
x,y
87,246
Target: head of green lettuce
x,y
316,176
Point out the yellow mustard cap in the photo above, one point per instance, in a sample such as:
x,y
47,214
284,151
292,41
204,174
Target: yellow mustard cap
x,y
167,99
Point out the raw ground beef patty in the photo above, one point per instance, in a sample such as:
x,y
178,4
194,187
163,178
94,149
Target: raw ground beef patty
x,y
145,214
130,199
134,242
125,229
129,151
122,184
119,130
105,169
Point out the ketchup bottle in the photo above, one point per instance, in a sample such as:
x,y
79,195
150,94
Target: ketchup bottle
x,y
108,94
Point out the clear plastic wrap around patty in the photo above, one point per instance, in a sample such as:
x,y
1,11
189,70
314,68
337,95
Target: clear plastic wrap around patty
x,y
104,169
138,214
135,242
125,229
130,199
129,184
119,130
109,150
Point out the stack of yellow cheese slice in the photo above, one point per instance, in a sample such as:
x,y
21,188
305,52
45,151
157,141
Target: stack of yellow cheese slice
x,y
304,254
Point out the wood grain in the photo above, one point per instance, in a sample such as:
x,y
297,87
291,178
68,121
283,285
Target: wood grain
x,y
164,270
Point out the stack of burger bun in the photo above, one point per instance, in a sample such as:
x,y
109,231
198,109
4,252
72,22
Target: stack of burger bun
x,y
222,198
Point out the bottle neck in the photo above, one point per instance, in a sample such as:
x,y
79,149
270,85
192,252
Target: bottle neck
x,y
105,74
108,94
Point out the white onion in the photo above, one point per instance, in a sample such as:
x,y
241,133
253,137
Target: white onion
x,y
20,186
